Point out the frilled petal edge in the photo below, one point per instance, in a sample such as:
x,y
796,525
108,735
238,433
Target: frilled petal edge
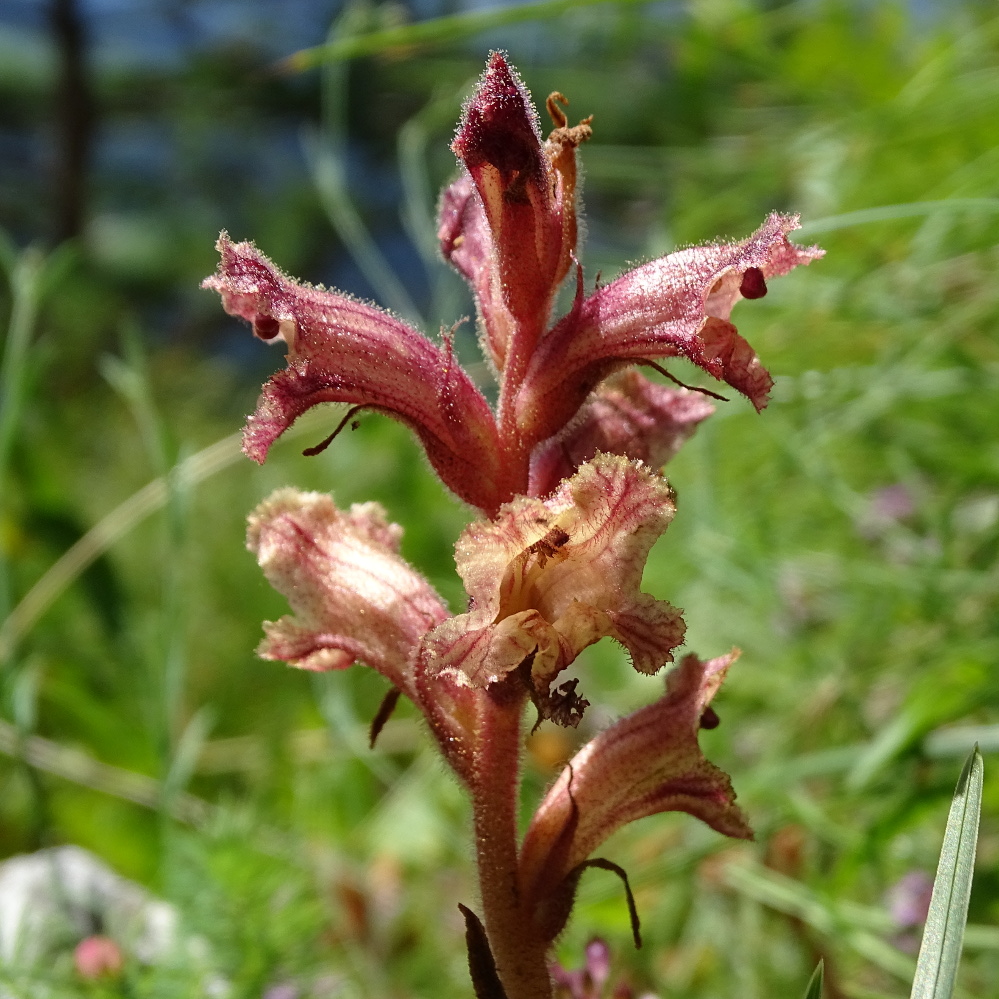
x,y
549,577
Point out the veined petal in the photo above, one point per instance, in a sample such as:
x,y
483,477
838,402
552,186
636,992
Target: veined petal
x,y
648,762
549,577
480,652
676,306
352,596
341,350
627,414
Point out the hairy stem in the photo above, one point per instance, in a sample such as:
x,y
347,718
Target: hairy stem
x,y
518,950
516,451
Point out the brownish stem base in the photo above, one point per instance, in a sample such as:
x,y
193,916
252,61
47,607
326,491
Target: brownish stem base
x,y
519,953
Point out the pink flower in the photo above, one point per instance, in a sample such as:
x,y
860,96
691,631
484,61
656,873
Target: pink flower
x,y
354,599
526,195
646,763
508,224
547,578
587,982
340,350
98,957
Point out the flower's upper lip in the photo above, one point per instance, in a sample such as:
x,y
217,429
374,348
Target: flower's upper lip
x,y
499,126
675,306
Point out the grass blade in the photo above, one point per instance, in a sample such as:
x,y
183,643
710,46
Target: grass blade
x,y
940,953
886,213
814,990
437,31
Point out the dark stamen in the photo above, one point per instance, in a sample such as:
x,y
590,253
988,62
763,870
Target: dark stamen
x,y
676,381
608,865
382,715
709,718
266,327
311,452
753,283
548,546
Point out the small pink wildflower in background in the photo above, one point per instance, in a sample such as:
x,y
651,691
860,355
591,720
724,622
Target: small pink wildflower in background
x,y
564,475
594,979
908,901
98,957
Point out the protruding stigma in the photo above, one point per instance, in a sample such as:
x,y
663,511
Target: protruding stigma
x,y
556,114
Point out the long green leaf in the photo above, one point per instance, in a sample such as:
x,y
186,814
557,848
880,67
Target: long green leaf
x,y
943,936
153,496
885,213
814,990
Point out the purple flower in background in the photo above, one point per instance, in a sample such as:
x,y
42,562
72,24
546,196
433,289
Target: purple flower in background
x,y
909,899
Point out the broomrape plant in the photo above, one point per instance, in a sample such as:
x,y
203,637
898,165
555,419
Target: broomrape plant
x,y
564,472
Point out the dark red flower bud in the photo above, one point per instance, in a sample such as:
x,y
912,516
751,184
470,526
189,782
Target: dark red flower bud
x,y
527,192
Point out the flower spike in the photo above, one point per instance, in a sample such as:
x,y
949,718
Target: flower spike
x,y
565,473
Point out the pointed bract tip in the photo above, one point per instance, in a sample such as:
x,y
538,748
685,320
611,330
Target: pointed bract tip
x,y
499,125
497,60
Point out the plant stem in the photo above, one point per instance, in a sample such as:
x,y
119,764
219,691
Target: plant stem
x,y
523,339
519,952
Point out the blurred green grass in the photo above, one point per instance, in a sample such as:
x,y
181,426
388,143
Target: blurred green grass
x,y
846,540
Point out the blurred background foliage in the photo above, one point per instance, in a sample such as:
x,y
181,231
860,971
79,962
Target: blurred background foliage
x,y
846,540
